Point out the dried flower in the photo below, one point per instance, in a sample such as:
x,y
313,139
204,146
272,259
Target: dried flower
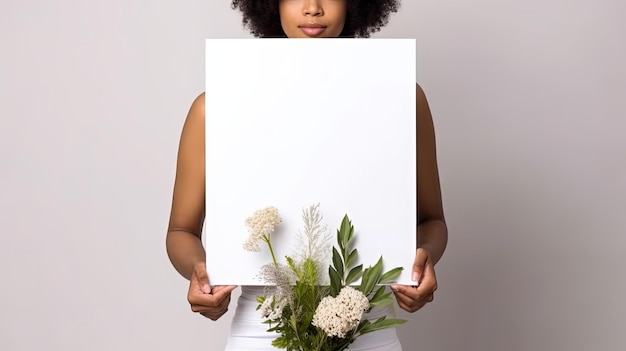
x,y
314,243
337,316
280,276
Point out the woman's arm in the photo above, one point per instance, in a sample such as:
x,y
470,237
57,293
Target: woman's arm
x,y
184,246
432,232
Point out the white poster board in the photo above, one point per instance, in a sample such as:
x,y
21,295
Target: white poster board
x,y
296,122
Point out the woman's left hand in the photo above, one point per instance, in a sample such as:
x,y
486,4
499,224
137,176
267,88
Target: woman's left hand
x,y
412,298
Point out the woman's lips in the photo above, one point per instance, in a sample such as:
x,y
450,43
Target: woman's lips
x,y
313,29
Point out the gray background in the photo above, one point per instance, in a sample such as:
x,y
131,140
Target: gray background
x,y
528,101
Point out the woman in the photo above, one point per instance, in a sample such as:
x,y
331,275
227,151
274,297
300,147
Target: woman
x,y
300,19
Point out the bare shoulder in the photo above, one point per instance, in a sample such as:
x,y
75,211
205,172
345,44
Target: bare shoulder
x,y
196,111
420,91
193,127
192,138
423,109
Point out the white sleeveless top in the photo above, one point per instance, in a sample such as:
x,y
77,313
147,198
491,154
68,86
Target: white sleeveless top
x,y
247,332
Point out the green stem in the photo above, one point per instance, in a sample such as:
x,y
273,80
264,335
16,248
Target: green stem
x,y
323,342
267,240
346,269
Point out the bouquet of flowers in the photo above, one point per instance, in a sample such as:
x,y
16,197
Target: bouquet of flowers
x,y
307,312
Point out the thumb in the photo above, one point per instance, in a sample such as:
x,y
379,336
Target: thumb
x,y
202,278
419,265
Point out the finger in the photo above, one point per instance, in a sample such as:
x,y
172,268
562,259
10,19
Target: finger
x,y
429,282
207,300
202,309
214,316
406,307
421,256
202,278
219,288
410,305
405,291
222,291
412,308
404,300
215,313
212,300
410,296
217,310
211,316
430,297
221,306
224,303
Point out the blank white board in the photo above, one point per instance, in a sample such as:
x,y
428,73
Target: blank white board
x,y
296,122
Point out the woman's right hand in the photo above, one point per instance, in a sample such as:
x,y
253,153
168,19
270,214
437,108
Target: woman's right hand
x,y
209,302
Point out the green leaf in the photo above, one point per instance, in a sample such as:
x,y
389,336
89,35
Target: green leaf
x,y
293,323
379,293
362,324
309,271
378,269
337,262
346,231
355,274
390,276
350,233
339,240
307,320
367,273
382,324
351,258
382,301
281,342
335,281
291,264
371,276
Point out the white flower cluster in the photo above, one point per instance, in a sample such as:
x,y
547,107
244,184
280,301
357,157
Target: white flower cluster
x,y
337,316
273,312
261,224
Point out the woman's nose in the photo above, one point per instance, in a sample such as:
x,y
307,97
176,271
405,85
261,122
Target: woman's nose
x,y
312,8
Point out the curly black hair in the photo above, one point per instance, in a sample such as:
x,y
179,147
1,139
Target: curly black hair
x,y
363,18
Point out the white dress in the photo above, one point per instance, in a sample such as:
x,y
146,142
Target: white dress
x,y
247,331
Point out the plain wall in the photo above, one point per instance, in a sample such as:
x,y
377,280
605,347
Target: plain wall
x,y
528,103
